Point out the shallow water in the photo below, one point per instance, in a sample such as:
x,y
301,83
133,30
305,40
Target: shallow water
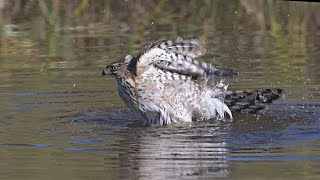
x,y
60,119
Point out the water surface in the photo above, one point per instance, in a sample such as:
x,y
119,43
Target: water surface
x,y
60,119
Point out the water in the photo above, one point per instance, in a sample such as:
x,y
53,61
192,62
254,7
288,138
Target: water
x,y
60,119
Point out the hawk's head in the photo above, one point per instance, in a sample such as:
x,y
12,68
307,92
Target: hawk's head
x,y
119,68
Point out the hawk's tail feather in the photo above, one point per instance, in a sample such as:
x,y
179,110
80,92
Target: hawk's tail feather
x,y
251,100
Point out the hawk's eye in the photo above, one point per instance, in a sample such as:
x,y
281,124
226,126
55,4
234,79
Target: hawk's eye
x,y
114,68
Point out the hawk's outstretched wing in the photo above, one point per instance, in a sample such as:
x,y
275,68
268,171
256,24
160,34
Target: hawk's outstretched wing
x,y
178,57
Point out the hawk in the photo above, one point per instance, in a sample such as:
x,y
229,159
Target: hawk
x,y
164,83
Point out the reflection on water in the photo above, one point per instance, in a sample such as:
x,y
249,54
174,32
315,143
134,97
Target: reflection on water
x,y
60,119
186,151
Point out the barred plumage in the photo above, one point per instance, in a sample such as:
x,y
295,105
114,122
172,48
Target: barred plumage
x,y
165,84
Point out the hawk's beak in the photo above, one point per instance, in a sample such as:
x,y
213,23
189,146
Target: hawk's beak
x,y
106,71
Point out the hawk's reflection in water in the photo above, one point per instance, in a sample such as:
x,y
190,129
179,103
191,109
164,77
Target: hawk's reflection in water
x,y
182,150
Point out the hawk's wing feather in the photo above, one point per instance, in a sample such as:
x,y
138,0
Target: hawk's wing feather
x,y
187,66
193,47
178,56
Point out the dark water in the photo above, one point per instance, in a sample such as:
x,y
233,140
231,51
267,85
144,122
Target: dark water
x,y
59,119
